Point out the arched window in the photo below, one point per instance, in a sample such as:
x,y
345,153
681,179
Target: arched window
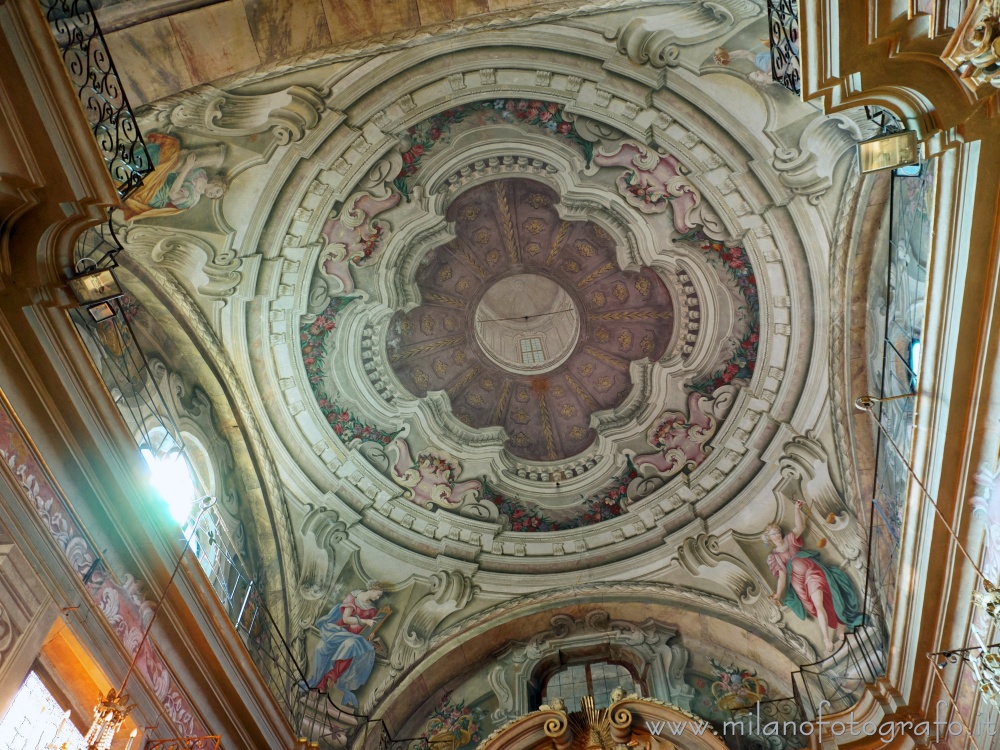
x,y
180,473
597,678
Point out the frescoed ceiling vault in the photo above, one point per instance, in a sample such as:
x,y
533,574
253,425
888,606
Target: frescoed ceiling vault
x,y
526,337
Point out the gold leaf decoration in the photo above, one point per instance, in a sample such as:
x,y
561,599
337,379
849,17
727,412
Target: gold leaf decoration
x,y
535,225
440,367
625,339
482,236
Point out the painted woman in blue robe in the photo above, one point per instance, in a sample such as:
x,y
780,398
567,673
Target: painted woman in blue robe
x,y
344,658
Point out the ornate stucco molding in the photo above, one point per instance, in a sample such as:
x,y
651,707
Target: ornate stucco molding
x,y
649,643
974,49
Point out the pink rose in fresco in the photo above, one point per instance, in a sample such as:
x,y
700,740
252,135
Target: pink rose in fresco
x,y
532,113
408,156
535,104
510,106
516,527
434,134
553,107
522,105
338,428
417,149
564,127
545,116
731,369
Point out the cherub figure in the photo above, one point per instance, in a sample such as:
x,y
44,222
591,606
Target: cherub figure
x,y
807,586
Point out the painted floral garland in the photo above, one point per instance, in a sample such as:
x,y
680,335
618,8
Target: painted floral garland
x,y
312,338
421,138
603,506
737,264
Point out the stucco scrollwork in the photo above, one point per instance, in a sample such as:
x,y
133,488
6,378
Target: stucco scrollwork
x,y
289,114
352,237
974,49
649,641
214,270
653,182
657,39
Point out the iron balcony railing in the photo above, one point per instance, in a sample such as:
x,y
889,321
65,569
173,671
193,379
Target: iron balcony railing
x,y
783,25
837,681
93,74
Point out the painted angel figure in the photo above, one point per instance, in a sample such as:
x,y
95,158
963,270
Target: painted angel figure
x,y
178,181
345,656
807,586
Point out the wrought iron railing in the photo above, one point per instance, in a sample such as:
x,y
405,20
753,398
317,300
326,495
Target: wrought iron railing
x,y
312,714
93,74
906,279
836,682
783,24
754,726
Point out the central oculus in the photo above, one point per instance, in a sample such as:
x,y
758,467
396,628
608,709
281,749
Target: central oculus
x,y
526,321
527,324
